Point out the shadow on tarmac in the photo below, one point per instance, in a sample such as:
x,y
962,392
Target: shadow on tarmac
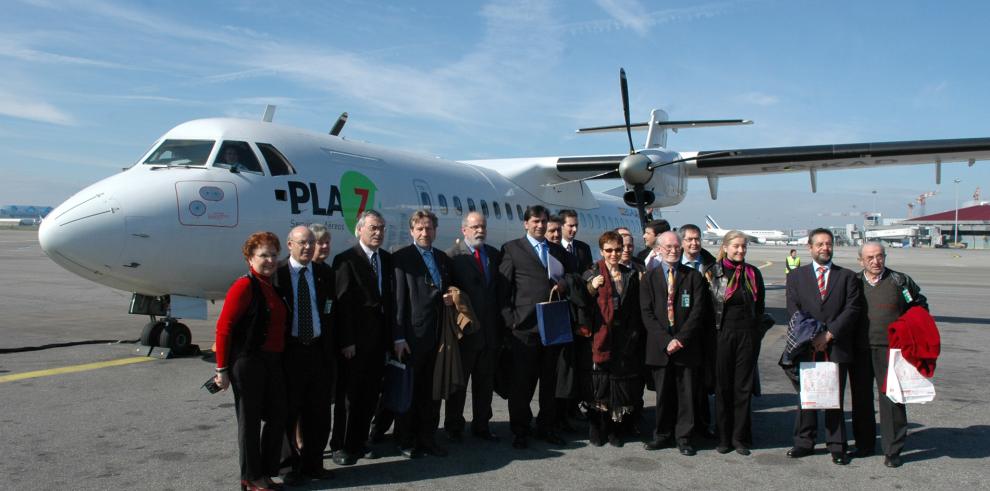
x,y
961,320
972,442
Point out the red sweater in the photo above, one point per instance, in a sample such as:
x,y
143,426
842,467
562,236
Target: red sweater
x,y
234,306
916,335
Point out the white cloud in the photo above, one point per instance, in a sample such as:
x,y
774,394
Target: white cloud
x,y
19,106
13,49
629,14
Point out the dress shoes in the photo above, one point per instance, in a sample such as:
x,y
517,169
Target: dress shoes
x,y
686,450
431,448
614,440
892,461
370,453
657,444
410,452
455,436
723,449
341,457
549,437
485,435
296,478
798,452
519,442
743,451
839,458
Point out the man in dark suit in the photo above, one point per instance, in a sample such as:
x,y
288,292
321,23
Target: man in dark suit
x,y
422,275
579,249
674,299
833,296
697,258
651,231
308,361
365,318
530,267
474,269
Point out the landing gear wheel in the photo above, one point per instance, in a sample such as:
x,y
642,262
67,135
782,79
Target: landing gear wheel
x,y
177,337
151,332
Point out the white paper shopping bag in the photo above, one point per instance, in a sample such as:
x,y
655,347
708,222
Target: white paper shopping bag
x,y
819,385
905,385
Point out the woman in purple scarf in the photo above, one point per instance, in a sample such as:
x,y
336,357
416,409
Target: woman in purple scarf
x,y
738,295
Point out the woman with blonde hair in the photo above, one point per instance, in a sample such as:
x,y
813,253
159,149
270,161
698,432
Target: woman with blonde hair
x,y
739,300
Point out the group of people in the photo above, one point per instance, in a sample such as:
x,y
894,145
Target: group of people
x,y
300,340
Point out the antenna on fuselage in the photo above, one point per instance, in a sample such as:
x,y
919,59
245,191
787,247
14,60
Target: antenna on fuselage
x,y
269,113
339,125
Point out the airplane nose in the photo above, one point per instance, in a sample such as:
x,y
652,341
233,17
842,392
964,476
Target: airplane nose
x,y
84,234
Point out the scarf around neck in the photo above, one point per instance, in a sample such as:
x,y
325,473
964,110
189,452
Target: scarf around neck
x,y
601,343
734,281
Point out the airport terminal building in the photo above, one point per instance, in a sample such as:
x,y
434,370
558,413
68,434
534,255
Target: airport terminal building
x,y
973,222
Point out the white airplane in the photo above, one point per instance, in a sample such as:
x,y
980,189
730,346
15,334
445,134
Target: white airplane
x,y
169,228
760,236
23,215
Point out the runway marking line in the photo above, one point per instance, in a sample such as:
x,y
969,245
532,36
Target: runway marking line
x,y
74,368
768,263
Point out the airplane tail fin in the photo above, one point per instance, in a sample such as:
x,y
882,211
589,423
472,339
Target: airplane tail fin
x,y
710,223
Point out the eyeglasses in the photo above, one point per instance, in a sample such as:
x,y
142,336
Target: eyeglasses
x,y
609,250
669,248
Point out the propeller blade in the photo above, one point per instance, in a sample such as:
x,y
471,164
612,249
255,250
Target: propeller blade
x,y
640,206
625,107
727,153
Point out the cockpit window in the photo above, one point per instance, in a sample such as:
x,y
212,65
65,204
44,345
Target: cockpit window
x,y
237,156
181,152
278,165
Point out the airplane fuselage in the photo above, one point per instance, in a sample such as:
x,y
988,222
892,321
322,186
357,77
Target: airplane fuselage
x,y
174,222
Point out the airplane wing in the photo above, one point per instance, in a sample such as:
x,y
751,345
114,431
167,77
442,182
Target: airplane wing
x,y
754,161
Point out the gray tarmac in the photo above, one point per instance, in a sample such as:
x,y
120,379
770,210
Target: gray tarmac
x,y
149,425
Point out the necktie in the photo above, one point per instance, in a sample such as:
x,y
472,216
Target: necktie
x,y
431,265
481,265
374,267
304,304
570,247
670,298
543,253
821,281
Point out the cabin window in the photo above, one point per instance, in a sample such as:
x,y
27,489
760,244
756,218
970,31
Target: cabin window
x,y
238,157
508,211
181,152
442,201
424,199
457,206
519,212
484,208
471,206
278,165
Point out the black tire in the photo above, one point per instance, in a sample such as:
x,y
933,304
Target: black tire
x,y
151,332
177,337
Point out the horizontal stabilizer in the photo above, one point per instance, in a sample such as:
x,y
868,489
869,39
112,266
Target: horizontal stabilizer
x,y
698,123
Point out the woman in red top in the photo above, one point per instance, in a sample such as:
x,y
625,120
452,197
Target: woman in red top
x,y
250,339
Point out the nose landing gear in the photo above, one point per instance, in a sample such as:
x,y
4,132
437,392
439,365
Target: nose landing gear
x,y
171,337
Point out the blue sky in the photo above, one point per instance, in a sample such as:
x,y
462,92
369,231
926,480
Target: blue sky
x,y
88,85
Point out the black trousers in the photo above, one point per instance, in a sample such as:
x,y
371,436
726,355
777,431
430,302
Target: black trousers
x,y
418,425
864,423
532,364
309,374
734,363
479,368
675,388
259,396
806,421
359,382
893,416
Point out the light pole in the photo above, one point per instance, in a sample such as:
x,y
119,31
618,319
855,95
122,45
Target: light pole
x,y
955,228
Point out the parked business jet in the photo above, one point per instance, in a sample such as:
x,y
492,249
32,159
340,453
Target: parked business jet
x,y
169,228
712,230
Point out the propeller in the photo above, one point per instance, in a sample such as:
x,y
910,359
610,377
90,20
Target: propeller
x,y
634,168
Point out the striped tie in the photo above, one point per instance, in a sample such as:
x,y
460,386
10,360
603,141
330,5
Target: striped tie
x,y
821,281
670,297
